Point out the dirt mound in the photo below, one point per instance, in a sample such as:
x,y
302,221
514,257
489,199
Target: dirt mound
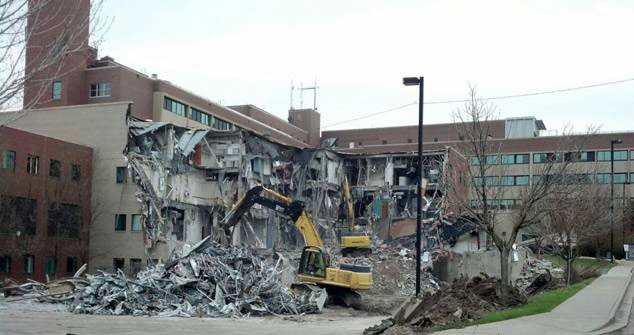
x,y
463,300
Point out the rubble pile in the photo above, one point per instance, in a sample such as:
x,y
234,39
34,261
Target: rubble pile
x,y
393,272
538,275
463,300
208,280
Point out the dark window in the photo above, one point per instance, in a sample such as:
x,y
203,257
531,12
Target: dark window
x,y
384,142
137,222
409,140
17,215
5,264
175,107
200,116
33,164
75,172
121,174
57,90
29,264
221,124
360,143
461,138
8,160
521,180
55,168
135,266
118,263
119,222
72,265
64,220
522,159
100,90
51,265
435,139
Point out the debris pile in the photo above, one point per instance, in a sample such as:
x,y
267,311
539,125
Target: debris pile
x,y
463,300
393,271
209,280
538,275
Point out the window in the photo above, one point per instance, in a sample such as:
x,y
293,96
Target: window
x,y
29,264
118,263
539,158
135,265
200,116
221,124
461,138
473,160
620,178
507,181
33,164
57,90
521,180
71,265
136,222
522,159
384,142
119,222
491,180
491,159
477,181
175,107
121,174
435,139
5,264
409,140
50,265
100,90
75,172
8,160
360,143
507,159
632,155
64,220
17,215
547,157
619,155
55,167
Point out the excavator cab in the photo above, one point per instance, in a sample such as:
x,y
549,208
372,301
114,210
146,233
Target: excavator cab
x,y
313,262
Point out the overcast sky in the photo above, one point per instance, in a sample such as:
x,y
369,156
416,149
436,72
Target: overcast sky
x,y
238,52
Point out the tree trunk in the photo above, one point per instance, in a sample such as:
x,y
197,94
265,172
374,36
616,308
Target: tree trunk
x,y
504,266
568,270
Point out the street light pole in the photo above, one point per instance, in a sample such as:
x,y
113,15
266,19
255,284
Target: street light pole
x,y
612,143
420,81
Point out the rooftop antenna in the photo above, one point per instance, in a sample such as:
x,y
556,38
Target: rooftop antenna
x,y
314,88
292,88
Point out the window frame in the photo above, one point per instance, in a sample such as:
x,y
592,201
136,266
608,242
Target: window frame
x,y
522,177
75,172
140,222
100,90
56,90
124,174
118,221
33,164
5,154
54,168
29,267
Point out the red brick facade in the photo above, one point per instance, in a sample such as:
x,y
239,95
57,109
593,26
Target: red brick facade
x,y
42,187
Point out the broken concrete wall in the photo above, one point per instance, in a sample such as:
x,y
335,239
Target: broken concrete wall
x,y
470,264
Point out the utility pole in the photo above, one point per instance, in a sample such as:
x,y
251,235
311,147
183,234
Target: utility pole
x,y
420,81
612,143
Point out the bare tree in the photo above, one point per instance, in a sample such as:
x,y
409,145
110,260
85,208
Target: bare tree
x,y
576,213
502,212
63,30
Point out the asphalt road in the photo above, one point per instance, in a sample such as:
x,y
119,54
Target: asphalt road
x,y
35,318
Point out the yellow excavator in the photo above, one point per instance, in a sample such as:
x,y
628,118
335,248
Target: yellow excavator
x,y
352,243
314,265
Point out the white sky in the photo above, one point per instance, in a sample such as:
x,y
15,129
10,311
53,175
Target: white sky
x,y
248,51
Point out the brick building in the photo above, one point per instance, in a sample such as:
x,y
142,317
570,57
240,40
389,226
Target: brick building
x,y
45,212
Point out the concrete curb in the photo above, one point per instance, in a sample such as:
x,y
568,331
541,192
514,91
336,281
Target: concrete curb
x,y
618,303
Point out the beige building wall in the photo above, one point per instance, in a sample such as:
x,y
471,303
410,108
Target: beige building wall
x,y
102,127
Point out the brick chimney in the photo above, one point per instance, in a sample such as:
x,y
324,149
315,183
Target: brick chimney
x,y
309,120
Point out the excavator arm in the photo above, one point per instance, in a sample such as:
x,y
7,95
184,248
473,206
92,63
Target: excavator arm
x,y
293,209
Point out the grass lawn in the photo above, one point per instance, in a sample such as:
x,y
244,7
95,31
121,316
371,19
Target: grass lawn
x,y
582,264
539,303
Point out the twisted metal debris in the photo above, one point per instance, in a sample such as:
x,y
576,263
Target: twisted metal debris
x,y
209,280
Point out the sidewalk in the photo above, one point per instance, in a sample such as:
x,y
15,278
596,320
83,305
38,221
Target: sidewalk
x,y
587,311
